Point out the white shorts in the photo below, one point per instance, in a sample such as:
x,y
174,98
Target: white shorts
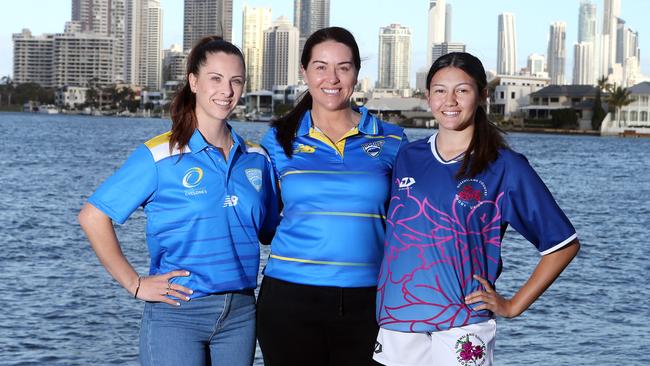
x,y
469,345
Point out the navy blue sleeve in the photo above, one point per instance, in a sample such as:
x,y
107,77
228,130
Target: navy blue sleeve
x,y
530,208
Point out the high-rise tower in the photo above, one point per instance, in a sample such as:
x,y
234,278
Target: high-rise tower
x,y
310,16
280,54
507,45
557,53
587,21
611,13
106,18
394,57
437,29
203,18
585,57
254,22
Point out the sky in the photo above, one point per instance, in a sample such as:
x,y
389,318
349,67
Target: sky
x,y
474,22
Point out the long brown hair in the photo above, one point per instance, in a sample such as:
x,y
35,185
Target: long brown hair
x,y
183,117
487,139
287,125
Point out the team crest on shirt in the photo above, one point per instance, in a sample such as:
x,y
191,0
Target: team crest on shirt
x,y
191,180
373,148
254,177
470,192
470,350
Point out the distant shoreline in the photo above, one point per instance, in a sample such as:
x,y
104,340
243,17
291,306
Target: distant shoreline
x,y
554,131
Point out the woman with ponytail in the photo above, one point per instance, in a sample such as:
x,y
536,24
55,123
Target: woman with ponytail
x,y
453,196
333,164
209,199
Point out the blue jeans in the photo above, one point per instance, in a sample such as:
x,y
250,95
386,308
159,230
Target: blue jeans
x,y
219,328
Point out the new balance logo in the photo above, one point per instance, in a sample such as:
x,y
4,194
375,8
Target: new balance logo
x,y
230,201
406,182
378,347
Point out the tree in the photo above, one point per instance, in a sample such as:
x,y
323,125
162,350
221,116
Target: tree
x,y
6,89
598,112
619,97
566,117
602,83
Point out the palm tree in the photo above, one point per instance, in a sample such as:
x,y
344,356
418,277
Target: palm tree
x,y
618,98
603,84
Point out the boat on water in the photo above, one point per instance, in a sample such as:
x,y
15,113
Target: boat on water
x,y
256,116
47,109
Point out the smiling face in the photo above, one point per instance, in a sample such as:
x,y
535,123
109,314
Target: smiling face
x,y
218,86
331,75
453,98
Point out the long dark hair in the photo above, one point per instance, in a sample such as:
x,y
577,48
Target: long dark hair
x,y
287,125
487,138
184,120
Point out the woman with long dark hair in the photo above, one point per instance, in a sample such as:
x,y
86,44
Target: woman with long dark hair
x,y
209,200
453,196
333,163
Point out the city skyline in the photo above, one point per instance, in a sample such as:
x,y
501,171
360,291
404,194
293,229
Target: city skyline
x,y
531,38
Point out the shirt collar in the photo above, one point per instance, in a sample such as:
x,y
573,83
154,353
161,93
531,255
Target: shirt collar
x,y
368,123
197,142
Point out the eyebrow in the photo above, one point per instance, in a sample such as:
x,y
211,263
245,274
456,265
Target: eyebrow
x,y
457,85
220,74
340,63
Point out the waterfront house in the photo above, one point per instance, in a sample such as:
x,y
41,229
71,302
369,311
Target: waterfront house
x,y
512,92
413,112
637,113
579,98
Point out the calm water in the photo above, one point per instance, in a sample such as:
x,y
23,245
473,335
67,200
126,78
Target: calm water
x,y
62,308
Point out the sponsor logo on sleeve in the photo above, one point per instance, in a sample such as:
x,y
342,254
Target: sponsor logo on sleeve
x,y
254,177
373,149
302,148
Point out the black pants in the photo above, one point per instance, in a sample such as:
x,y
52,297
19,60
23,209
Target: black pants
x,y
315,325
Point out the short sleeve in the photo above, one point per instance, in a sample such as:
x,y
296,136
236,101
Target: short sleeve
x,y
128,188
531,210
272,215
404,141
270,144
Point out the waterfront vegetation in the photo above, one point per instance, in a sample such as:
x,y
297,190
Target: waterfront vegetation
x,y
124,100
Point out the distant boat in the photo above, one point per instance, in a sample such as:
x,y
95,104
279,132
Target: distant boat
x,y
259,117
29,107
48,109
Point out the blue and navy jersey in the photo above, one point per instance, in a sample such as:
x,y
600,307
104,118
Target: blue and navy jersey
x,y
204,214
335,196
441,231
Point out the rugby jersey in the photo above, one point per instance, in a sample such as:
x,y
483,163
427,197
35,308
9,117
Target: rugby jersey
x,y
204,214
442,231
335,196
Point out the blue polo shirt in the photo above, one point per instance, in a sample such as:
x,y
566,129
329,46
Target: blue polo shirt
x,y
442,231
335,195
204,214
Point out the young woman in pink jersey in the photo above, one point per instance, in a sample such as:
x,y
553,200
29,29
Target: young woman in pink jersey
x,y
453,196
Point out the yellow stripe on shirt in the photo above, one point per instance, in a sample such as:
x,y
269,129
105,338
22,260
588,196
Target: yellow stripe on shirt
x,y
350,264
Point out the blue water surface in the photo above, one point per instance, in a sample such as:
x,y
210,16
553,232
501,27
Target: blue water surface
x,y
62,308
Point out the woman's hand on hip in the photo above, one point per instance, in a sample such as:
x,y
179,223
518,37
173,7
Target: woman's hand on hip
x,y
159,289
491,300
